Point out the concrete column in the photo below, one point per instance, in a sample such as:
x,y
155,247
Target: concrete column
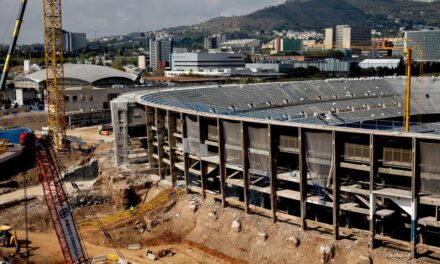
x,y
172,145
160,132
273,144
335,163
303,178
149,115
414,200
222,162
185,153
203,165
245,164
120,131
373,171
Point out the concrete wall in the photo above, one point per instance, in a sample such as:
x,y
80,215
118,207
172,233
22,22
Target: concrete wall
x,y
353,199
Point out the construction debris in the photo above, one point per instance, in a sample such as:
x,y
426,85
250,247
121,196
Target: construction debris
x,y
262,236
293,240
87,199
134,246
165,253
236,226
101,258
327,251
151,256
213,216
193,205
364,260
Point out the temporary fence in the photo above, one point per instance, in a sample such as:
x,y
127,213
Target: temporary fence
x,y
430,167
232,138
319,160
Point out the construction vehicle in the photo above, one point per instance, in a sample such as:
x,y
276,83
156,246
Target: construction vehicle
x,y
56,198
12,46
8,237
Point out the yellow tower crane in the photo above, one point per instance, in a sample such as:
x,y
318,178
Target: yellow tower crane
x,y
54,59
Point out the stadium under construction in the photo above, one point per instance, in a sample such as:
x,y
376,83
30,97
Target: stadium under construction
x,y
327,155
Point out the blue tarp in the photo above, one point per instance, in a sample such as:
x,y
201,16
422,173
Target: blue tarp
x,y
13,135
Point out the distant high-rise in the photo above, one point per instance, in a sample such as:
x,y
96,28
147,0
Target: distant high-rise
x,y
211,42
428,43
214,41
160,54
142,62
329,40
347,37
27,66
74,41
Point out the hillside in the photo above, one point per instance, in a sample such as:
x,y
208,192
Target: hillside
x,y
317,14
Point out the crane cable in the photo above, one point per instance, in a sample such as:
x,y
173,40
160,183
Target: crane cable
x,y
101,226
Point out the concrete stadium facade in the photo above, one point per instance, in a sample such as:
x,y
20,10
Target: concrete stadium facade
x,y
310,171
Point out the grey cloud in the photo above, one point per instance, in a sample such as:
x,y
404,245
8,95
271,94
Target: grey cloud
x,y
110,17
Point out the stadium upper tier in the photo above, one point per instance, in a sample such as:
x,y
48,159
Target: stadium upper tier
x,y
329,102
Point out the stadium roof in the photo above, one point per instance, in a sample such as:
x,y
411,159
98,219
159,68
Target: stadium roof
x,y
86,73
331,102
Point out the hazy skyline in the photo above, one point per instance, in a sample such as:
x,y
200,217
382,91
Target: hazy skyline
x,y
113,17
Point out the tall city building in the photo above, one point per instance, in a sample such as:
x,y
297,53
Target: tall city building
x,y
211,42
427,42
160,54
347,37
142,62
329,40
214,41
74,41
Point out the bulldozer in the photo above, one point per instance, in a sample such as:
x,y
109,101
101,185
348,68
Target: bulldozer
x,y
8,237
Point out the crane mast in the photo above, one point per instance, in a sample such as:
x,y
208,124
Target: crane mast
x,y
54,58
56,199
13,44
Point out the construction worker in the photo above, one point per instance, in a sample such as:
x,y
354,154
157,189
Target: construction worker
x,y
132,210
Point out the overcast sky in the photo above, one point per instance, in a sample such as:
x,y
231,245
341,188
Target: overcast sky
x,y
112,17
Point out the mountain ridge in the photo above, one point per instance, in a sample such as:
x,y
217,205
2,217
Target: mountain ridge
x,y
318,14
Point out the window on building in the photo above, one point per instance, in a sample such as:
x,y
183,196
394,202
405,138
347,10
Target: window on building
x,y
397,157
90,97
289,143
356,152
66,98
74,98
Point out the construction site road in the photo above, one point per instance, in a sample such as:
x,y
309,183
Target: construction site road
x,y
37,191
52,252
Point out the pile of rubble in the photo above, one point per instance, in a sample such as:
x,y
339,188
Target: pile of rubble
x,y
87,199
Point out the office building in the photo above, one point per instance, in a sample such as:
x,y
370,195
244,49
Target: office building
x,y
211,42
211,64
160,54
74,41
428,43
347,37
290,45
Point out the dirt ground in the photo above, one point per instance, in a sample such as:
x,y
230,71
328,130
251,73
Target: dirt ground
x,y
32,120
90,135
201,236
